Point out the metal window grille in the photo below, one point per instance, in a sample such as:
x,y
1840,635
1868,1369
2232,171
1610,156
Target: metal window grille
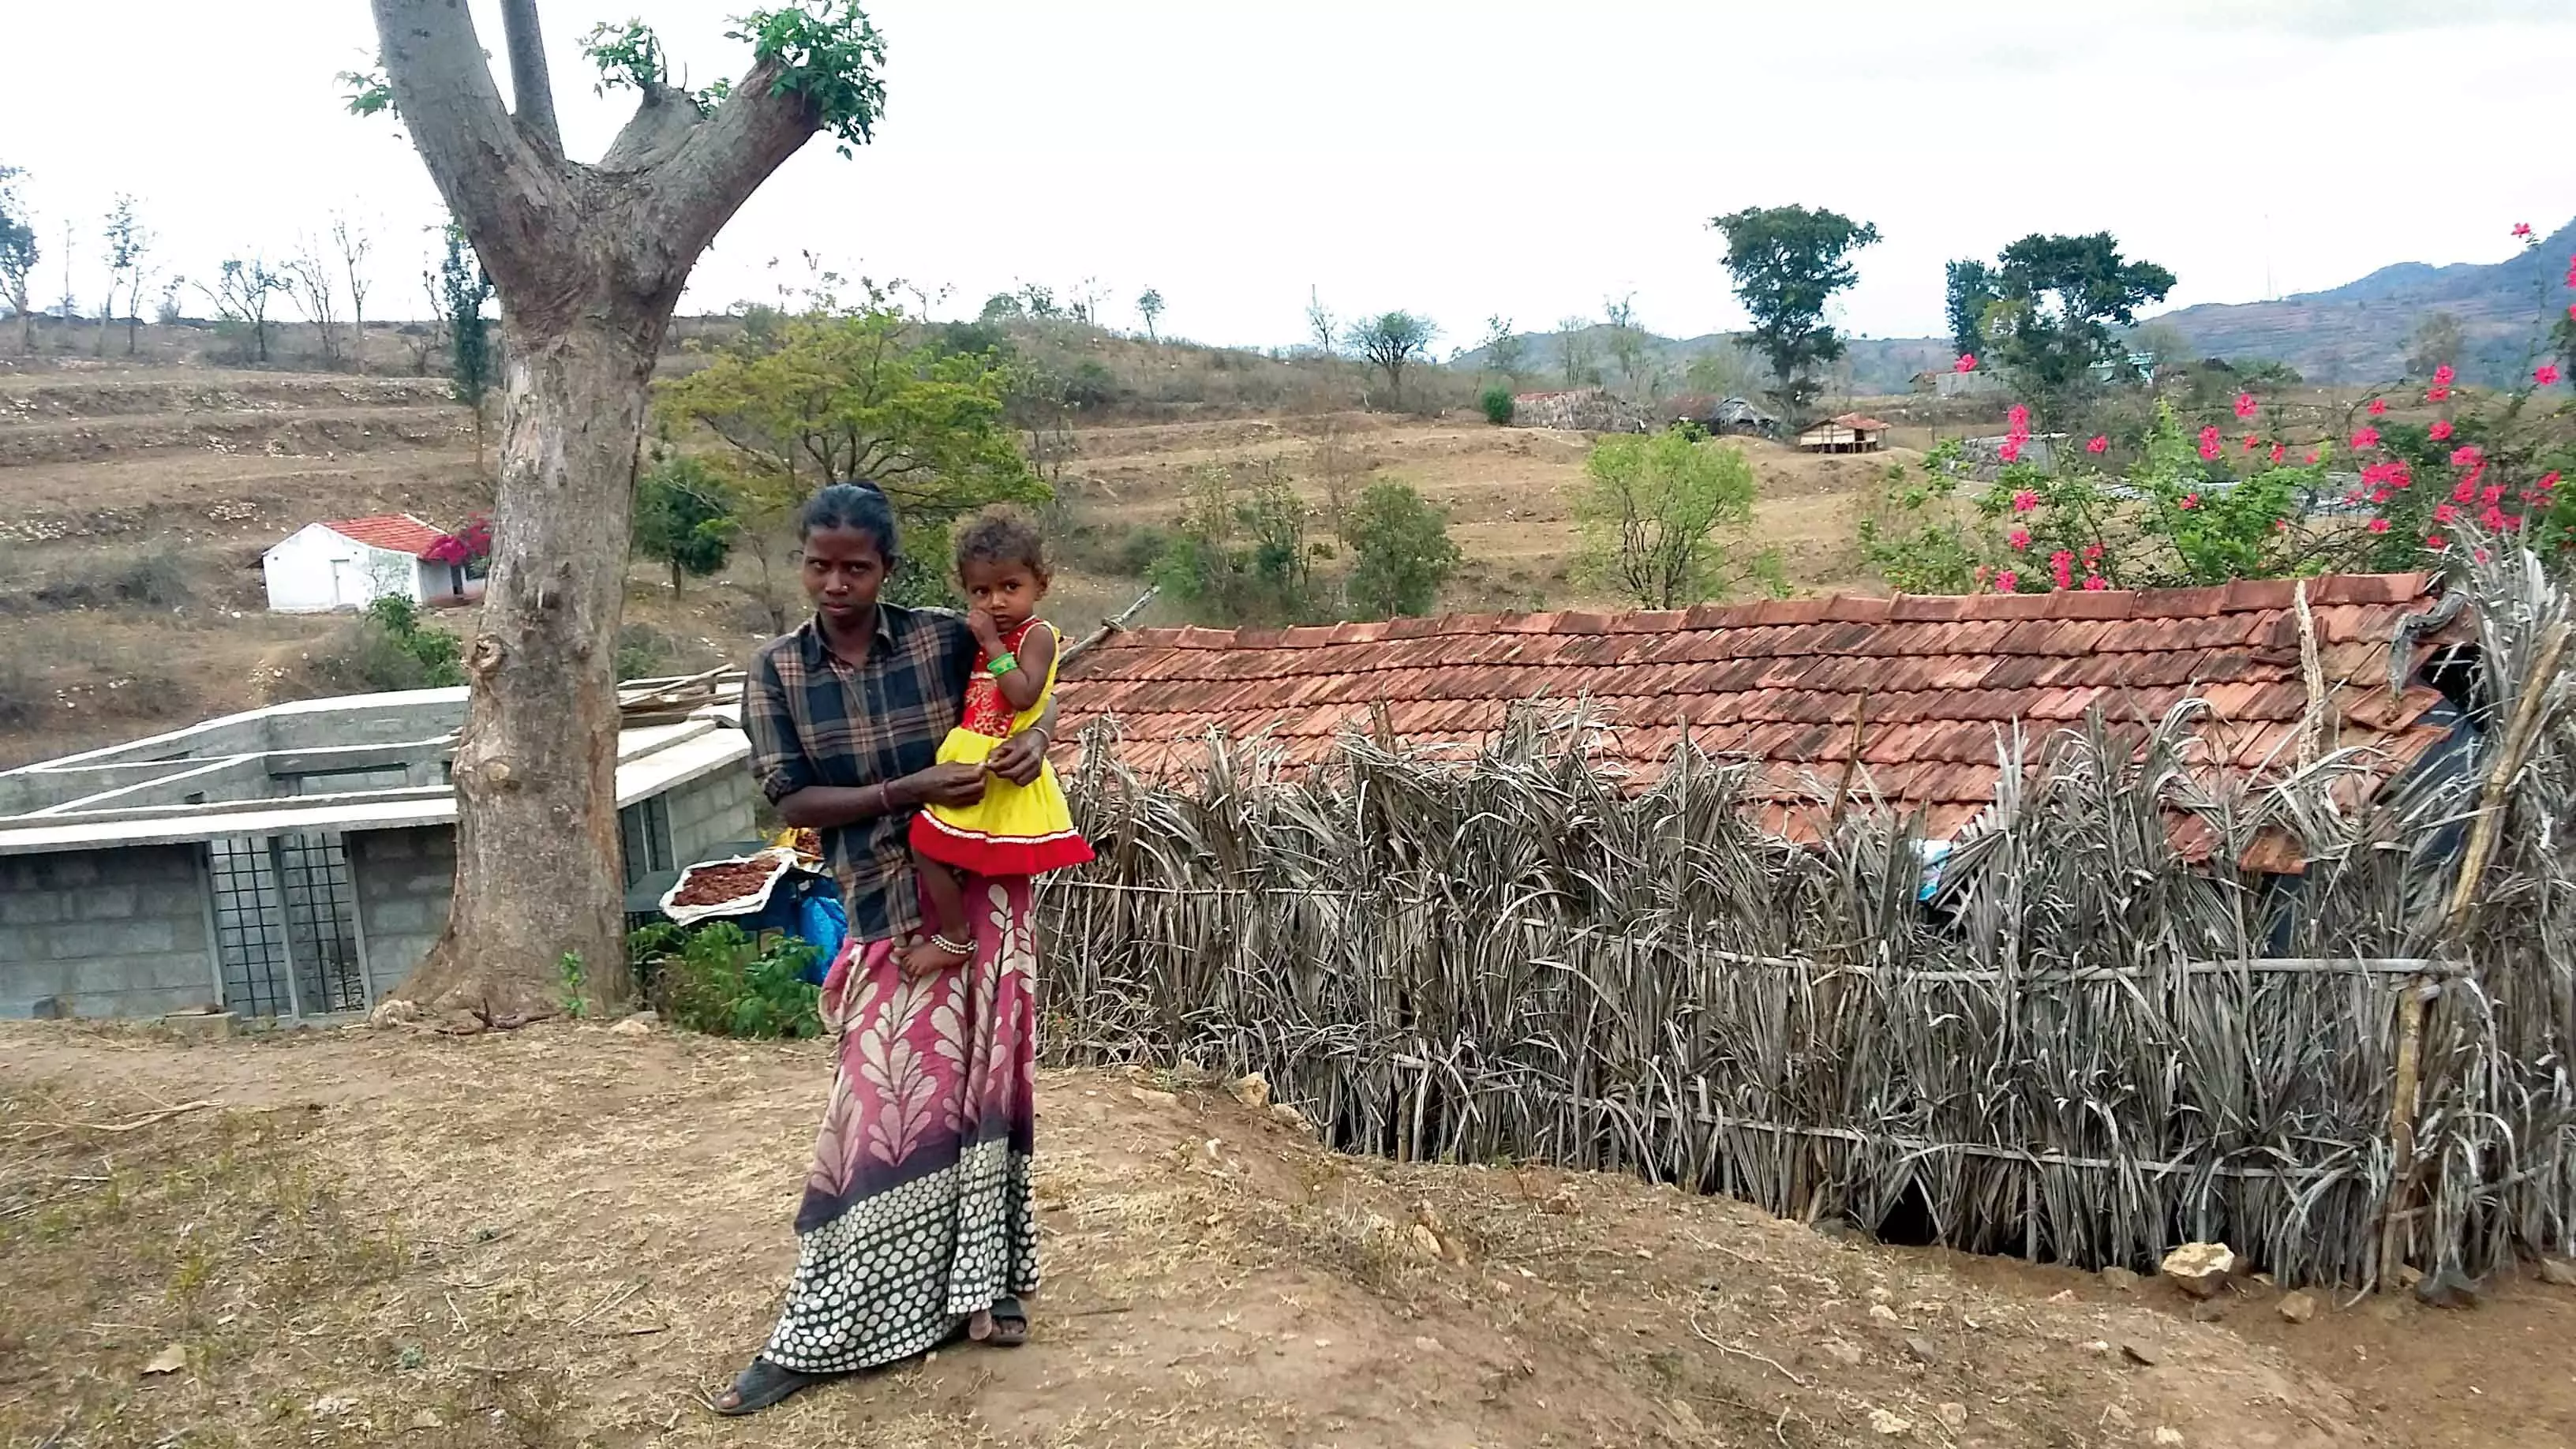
x,y
286,925
644,837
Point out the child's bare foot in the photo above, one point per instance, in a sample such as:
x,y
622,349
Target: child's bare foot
x,y
928,959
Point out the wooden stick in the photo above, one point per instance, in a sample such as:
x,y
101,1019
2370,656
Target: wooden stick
x,y
1108,627
2508,763
2401,1127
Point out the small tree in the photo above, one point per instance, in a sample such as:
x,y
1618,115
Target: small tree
x,y
1149,306
353,246
18,255
127,244
1970,291
1631,350
1652,516
1498,406
1320,324
1578,361
2436,341
1788,263
1240,556
1392,342
1506,351
684,516
2047,310
242,296
463,291
316,293
1401,553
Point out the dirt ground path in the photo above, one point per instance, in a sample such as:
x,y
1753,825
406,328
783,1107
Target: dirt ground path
x,y
563,1236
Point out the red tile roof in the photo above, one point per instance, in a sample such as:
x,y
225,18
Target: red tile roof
x,y
1861,422
1919,686
395,532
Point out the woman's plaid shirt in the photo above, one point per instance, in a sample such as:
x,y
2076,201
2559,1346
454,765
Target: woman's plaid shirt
x,y
815,719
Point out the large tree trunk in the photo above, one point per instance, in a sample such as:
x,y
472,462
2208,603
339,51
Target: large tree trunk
x,y
588,262
537,875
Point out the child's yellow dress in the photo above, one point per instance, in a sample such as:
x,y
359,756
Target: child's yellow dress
x,y
1014,830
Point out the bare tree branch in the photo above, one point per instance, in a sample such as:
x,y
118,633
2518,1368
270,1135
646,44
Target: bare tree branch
x,y
502,190
724,160
529,83
654,134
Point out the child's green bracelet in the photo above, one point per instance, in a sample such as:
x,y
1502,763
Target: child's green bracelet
x,y
1002,664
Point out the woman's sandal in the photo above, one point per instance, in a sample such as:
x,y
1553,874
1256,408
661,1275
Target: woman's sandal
x,y
1009,1324
764,1384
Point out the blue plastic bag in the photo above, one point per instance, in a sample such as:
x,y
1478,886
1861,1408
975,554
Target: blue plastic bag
x,y
823,924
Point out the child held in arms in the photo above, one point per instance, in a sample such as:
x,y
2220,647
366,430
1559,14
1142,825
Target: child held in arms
x,y
1015,830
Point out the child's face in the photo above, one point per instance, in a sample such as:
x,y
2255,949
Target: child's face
x,y
1008,590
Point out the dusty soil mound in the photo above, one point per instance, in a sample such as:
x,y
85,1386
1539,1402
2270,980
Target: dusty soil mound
x,y
563,1236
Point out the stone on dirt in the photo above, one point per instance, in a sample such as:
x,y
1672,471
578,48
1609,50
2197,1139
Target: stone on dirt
x,y
2200,1269
1922,1350
1253,1091
2299,1307
1953,1417
2143,1355
2120,1278
2558,1272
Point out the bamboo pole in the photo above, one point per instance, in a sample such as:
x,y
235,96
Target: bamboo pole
x,y
2411,1001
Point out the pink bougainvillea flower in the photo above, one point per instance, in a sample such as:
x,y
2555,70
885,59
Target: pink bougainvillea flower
x,y
2545,482
2096,581
2546,374
2434,542
2092,554
2379,525
2025,501
2007,581
1967,363
2379,496
2521,229
2465,492
2209,442
2494,521
2479,554
2010,452
2491,495
2443,376
2354,496
2365,436
2017,418
2467,455
2061,567
2101,444
2245,404
2379,407
2312,455
2189,500
2019,538
2445,513
2440,430
2252,442
2279,451
2571,309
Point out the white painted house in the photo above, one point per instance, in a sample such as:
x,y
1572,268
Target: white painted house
x,y
352,562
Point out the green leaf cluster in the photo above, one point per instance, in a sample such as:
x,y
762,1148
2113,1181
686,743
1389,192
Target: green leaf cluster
x,y
1401,553
828,54
716,979
1655,515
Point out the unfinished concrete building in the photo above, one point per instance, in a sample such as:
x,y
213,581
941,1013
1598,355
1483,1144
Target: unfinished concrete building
x,y
292,862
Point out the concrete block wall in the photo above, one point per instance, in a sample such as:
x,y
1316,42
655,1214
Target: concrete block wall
x,y
709,811
118,932
404,880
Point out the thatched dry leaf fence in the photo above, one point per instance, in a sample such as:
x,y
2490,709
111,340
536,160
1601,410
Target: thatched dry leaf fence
x,y
2083,1048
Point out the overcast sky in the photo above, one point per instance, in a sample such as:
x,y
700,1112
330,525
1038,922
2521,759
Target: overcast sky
x,y
1456,158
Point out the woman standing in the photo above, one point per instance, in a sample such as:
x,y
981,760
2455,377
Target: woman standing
x,y
916,1218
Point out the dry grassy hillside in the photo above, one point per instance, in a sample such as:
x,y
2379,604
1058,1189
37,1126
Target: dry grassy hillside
x,y
135,501
564,1236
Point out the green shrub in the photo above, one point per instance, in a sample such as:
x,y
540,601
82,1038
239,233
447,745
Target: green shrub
x,y
1401,553
715,979
388,647
1497,403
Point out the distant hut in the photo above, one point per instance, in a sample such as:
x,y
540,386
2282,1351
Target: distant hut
x,y
1723,416
1581,410
1850,433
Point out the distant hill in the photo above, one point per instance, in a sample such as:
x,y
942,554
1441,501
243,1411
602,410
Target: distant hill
x,y
2358,332
1879,365
2355,333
